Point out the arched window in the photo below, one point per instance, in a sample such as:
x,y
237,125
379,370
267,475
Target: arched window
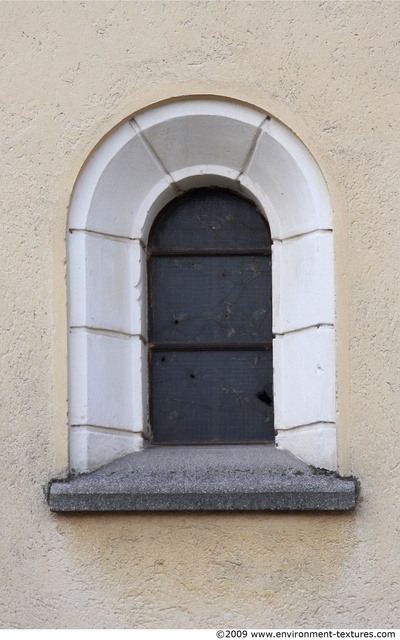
x,y
209,192
139,168
210,321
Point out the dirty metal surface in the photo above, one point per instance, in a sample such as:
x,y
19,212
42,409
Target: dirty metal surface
x,y
210,321
211,299
209,218
212,396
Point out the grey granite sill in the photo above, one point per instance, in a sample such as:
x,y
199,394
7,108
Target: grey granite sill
x,y
205,478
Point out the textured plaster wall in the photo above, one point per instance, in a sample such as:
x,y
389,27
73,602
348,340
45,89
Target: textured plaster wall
x,y
72,71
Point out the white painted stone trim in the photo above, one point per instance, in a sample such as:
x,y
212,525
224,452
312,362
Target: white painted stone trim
x,y
138,169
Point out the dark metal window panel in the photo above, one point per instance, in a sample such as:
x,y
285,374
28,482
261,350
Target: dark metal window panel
x,y
210,321
223,299
193,221
211,396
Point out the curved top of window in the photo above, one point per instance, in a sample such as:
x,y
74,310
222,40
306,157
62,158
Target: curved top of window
x,y
210,218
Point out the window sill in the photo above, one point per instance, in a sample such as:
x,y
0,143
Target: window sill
x,y
205,478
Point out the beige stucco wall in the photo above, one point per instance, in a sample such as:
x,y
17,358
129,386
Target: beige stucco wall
x,y
71,72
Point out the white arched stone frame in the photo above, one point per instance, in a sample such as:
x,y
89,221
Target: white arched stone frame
x,y
135,171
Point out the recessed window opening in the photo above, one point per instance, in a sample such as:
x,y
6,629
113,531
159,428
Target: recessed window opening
x,y
201,142
210,321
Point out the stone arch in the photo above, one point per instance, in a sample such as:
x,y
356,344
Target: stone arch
x,y
136,170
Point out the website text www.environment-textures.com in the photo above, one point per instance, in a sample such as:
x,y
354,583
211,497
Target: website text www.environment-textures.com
x,y
285,635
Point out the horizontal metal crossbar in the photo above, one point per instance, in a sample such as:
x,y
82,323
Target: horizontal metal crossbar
x,y
228,251
209,346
